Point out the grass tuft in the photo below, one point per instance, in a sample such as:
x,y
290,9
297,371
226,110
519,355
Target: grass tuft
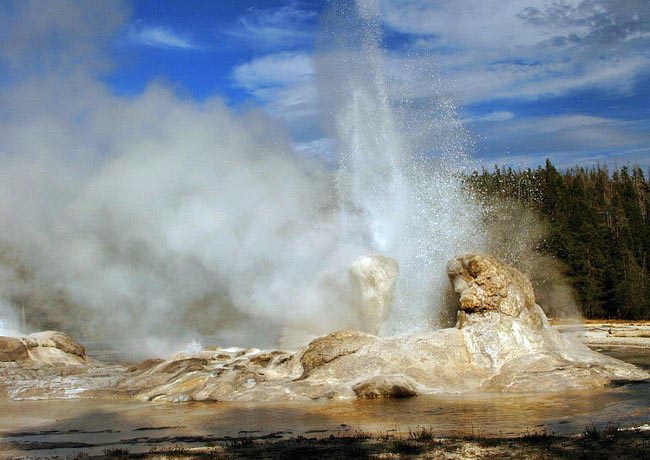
x,y
116,452
542,437
421,434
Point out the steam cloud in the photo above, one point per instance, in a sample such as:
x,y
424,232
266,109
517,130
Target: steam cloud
x,y
152,216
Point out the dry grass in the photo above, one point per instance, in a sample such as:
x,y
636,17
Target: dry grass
x,y
593,443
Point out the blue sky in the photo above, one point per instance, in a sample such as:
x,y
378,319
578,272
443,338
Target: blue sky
x,y
569,80
199,44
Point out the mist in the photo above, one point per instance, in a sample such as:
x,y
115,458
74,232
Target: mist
x,y
514,234
189,220
155,216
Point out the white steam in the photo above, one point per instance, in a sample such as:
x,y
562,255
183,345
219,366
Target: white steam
x,y
188,222
9,324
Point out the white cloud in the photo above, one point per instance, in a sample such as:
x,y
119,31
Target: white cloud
x,y
579,130
283,82
487,24
491,49
279,69
568,139
481,82
478,51
491,117
161,37
282,27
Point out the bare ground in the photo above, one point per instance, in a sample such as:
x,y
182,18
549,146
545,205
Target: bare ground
x,y
605,443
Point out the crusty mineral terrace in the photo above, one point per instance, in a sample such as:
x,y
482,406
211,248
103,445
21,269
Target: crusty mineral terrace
x,y
502,342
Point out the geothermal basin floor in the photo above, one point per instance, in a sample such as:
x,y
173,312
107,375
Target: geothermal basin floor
x,y
95,427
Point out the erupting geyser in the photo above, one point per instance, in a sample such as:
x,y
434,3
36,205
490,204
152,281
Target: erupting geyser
x,y
152,221
399,183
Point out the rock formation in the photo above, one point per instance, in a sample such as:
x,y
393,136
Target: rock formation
x,y
46,365
502,342
373,280
332,346
508,334
49,348
12,349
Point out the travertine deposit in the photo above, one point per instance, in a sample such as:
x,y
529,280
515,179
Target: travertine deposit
x,y
373,279
609,333
49,347
502,342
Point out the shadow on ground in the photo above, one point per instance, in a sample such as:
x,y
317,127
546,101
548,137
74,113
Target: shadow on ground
x,y
81,437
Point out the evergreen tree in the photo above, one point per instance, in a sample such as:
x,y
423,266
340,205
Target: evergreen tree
x,y
598,226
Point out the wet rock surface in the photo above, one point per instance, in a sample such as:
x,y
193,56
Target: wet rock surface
x,y
502,342
385,386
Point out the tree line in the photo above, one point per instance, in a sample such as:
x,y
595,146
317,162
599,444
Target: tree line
x,y
598,226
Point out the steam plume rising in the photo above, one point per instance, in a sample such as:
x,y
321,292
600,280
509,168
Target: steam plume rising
x,y
153,216
188,222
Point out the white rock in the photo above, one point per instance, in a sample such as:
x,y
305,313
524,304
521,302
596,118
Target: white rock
x,y
373,279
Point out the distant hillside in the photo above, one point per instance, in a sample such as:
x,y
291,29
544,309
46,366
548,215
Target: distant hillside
x,y
599,227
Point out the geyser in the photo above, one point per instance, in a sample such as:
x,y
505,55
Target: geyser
x,y
153,220
399,181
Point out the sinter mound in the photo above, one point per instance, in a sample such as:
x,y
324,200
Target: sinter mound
x,y
502,342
